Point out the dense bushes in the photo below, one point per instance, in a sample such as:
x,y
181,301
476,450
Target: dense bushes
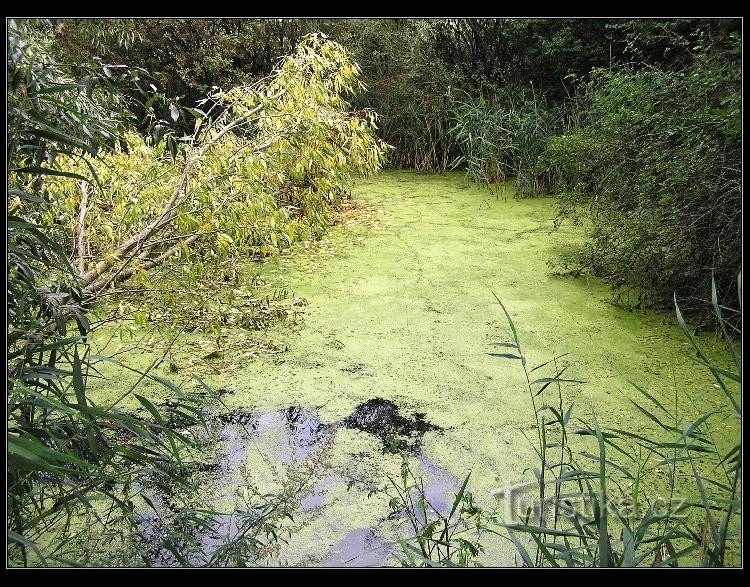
x,y
406,86
407,64
253,179
657,162
65,456
189,57
649,151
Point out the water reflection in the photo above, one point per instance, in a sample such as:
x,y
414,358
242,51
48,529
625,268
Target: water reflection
x,y
295,434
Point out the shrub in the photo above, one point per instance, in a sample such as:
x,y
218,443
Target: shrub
x,y
251,180
657,164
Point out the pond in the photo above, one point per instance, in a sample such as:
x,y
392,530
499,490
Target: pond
x,y
402,313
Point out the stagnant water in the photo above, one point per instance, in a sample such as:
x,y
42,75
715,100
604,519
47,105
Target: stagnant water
x,y
299,435
400,307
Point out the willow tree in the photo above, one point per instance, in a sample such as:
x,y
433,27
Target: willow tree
x,y
263,164
261,170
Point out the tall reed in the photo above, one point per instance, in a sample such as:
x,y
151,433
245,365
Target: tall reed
x,y
594,516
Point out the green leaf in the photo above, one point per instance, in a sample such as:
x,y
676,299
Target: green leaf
x,y
18,539
48,171
649,396
504,355
510,321
521,550
26,196
531,529
544,550
155,413
734,451
689,431
654,419
459,496
548,362
39,455
566,419
604,545
628,555
78,384
505,344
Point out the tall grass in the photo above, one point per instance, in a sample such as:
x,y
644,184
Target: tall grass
x,y
505,136
607,496
438,538
599,512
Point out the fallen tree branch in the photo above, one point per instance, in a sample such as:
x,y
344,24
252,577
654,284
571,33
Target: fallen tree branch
x,y
126,272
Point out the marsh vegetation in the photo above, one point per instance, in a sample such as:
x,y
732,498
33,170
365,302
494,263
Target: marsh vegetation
x,y
374,292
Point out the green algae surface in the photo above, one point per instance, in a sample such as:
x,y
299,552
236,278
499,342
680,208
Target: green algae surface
x,y
402,308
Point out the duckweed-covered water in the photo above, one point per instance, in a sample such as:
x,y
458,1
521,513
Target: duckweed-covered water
x,y
404,312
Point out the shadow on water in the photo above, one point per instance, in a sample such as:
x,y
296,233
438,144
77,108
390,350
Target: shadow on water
x,y
300,434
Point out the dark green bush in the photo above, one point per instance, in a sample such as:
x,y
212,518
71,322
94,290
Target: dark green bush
x,y
657,162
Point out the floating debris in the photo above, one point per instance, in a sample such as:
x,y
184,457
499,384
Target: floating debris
x,y
382,418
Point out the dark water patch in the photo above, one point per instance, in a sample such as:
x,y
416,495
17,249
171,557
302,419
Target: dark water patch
x,y
236,432
177,416
233,447
302,432
382,418
305,431
155,535
241,417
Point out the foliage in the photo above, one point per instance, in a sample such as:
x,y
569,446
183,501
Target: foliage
x,y
187,58
429,537
672,43
64,454
79,473
438,539
596,496
657,163
407,63
251,180
406,86
531,53
506,136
